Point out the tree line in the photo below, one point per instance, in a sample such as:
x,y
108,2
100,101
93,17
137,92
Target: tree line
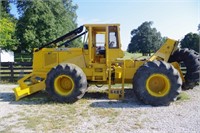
x,y
41,21
146,39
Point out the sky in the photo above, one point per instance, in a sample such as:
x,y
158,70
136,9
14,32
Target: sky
x,y
173,18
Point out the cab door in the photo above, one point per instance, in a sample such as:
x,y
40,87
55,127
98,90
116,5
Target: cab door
x,y
114,45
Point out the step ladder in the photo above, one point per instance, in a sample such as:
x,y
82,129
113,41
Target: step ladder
x,y
116,93
99,73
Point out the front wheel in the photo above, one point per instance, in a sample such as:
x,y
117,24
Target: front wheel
x,y
157,83
66,83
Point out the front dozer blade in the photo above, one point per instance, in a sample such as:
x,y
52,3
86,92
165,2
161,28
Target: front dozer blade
x,y
19,92
24,89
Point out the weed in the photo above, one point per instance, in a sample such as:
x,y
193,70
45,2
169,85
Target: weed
x,y
6,117
183,96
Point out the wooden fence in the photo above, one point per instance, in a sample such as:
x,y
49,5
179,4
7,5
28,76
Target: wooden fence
x,y
12,71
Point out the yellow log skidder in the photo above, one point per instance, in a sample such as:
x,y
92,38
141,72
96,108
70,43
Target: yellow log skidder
x,y
65,73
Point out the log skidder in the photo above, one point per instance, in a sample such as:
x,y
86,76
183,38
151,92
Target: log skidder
x,y
65,72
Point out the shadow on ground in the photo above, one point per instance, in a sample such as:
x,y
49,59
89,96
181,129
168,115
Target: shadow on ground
x,y
98,99
37,98
130,101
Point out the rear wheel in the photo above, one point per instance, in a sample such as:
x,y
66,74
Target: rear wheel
x,y
157,83
66,83
191,60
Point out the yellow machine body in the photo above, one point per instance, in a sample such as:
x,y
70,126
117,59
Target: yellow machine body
x,y
104,66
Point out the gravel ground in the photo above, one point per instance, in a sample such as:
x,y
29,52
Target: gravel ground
x,y
95,113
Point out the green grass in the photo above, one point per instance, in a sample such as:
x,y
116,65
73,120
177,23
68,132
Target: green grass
x,y
183,96
120,85
23,57
134,56
50,116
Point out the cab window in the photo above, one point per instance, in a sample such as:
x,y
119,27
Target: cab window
x,y
113,40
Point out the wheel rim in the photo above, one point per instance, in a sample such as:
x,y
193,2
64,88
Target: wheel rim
x,y
64,85
158,85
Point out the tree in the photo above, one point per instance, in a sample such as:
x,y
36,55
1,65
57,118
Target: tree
x,y
72,16
8,40
145,39
36,26
7,31
42,21
5,7
65,18
191,40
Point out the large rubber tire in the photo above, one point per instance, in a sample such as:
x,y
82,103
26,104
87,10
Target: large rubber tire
x,y
66,83
191,59
157,83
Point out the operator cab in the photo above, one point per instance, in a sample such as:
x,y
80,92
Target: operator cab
x,y
102,43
